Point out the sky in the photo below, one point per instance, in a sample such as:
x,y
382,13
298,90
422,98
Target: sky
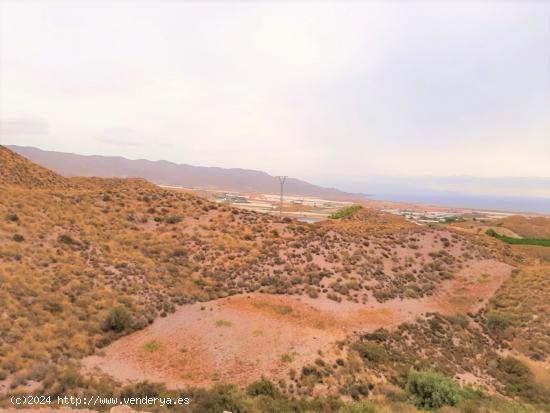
x,y
335,93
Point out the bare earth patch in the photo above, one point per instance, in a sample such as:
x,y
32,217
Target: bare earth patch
x,y
244,337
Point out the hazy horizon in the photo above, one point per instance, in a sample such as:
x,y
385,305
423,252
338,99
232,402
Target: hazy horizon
x,y
337,94
457,191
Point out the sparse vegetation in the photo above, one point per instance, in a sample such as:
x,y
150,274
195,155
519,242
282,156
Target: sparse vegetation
x,y
66,239
498,323
223,323
151,346
287,358
370,351
519,313
12,217
518,379
362,406
94,259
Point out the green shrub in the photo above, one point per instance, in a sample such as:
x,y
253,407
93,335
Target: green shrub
x,y
66,239
287,358
514,373
357,390
432,390
497,323
518,379
68,379
178,252
118,320
143,389
380,335
12,217
223,323
173,220
151,346
312,292
218,399
370,351
53,307
311,371
18,238
262,387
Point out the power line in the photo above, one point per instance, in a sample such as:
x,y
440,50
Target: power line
x,y
282,180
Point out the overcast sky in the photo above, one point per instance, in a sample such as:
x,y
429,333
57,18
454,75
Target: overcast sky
x,y
331,92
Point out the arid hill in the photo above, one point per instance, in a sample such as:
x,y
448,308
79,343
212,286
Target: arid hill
x,y
16,170
110,282
527,227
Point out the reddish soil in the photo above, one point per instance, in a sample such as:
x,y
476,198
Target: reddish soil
x,y
245,337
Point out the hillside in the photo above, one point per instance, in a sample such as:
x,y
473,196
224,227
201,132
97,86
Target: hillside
x,y
169,173
111,284
16,170
527,227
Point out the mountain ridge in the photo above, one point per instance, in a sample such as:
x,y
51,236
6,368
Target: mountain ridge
x,y
164,172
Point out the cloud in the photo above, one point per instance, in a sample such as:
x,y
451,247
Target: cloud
x,y
128,137
122,137
321,90
24,126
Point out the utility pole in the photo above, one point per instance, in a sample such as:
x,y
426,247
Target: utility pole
x,y
282,180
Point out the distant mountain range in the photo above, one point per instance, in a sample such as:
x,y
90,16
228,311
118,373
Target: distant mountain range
x,y
173,174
